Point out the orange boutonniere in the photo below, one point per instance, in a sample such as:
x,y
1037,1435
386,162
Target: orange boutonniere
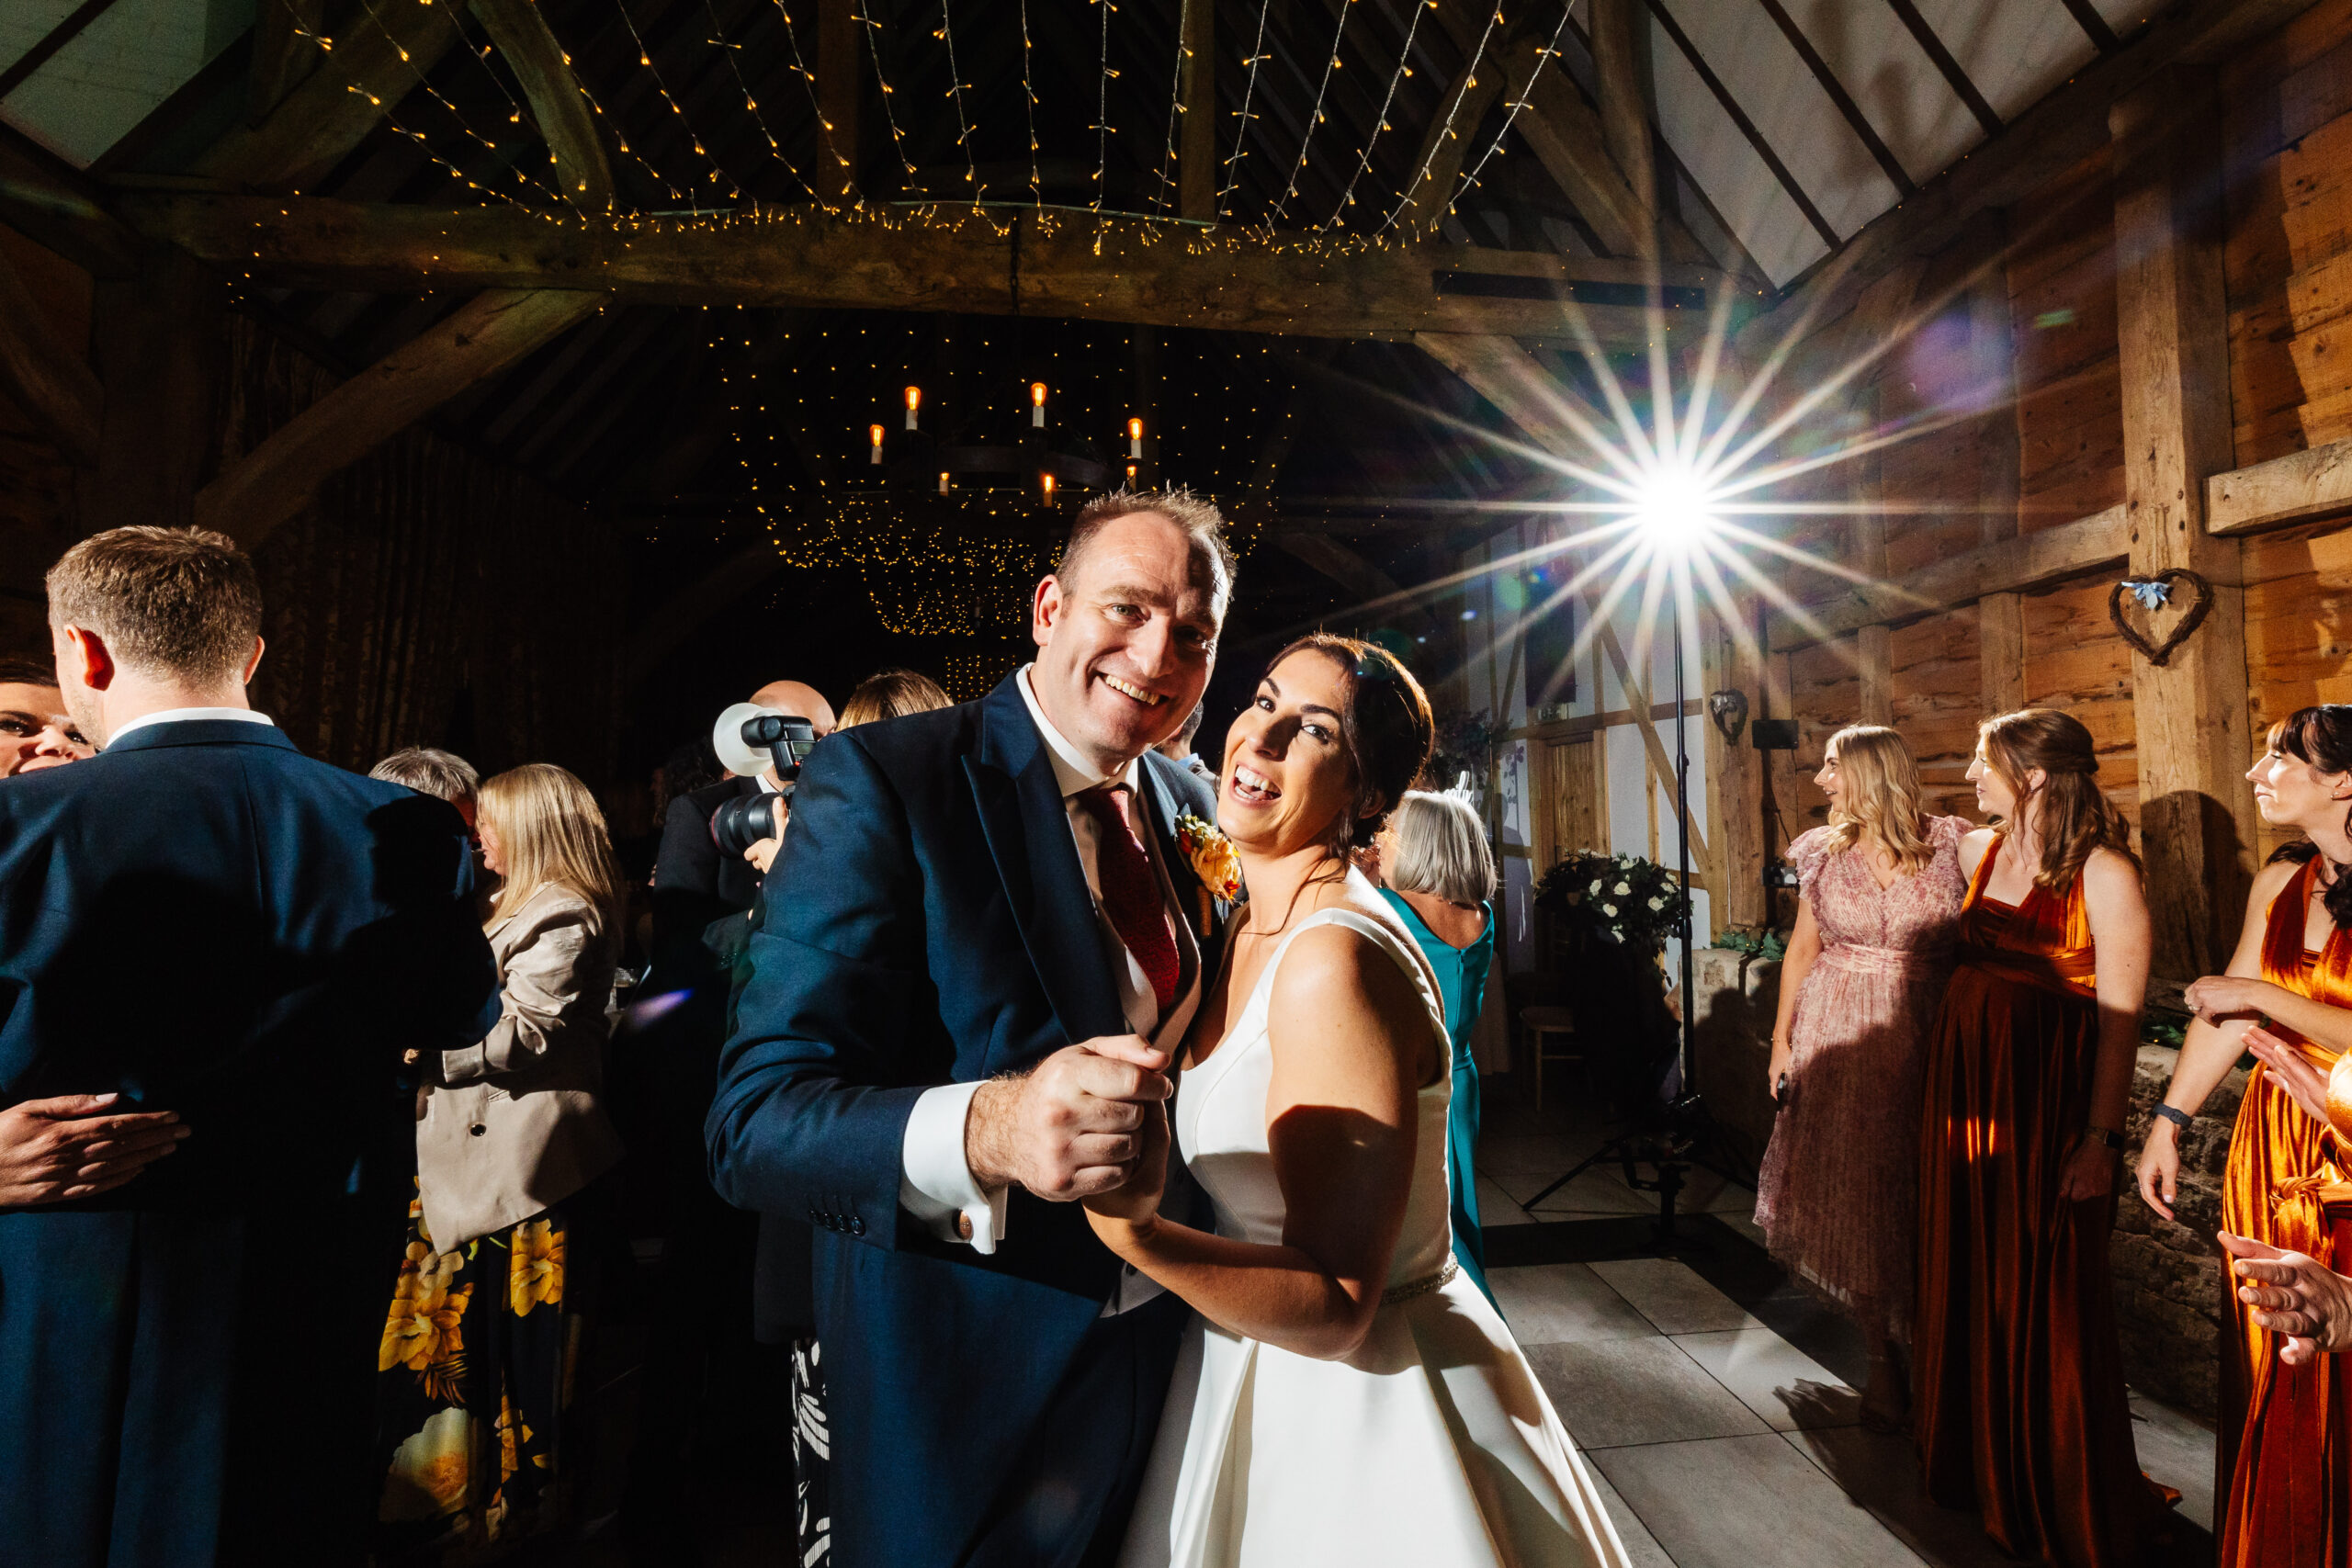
x,y
1212,857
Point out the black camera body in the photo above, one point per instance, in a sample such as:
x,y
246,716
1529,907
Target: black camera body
x,y
747,820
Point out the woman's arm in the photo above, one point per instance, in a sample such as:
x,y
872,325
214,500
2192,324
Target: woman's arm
x,y
1352,1040
544,977
2211,1049
1805,947
2120,933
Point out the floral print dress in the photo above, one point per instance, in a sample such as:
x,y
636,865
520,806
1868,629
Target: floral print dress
x,y
476,1381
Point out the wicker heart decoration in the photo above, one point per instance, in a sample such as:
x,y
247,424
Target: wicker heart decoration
x,y
2153,592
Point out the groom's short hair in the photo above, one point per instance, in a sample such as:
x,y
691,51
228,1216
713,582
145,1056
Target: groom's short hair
x,y
179,601
1198,518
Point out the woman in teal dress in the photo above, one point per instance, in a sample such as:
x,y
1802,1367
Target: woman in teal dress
x,y
1438,875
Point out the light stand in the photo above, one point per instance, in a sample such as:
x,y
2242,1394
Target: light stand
x,y
1689,1136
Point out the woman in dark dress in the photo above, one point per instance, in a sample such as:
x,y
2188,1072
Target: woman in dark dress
x,y
2022,1411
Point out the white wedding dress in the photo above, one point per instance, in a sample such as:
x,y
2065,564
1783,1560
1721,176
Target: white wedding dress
x,y
1433,1445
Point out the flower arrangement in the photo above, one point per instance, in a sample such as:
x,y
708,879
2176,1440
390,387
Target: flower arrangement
x,y
1464,744
1211,853
1623,900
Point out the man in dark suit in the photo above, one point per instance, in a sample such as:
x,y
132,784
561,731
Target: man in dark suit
x,y
981,950
200,920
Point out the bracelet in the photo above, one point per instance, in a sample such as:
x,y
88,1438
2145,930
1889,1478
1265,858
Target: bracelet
x,y
2108,1135
2175,1115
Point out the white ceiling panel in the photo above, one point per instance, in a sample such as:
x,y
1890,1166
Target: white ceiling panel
x,y
1737,180
114,74
2015,51
1908,103
1773,86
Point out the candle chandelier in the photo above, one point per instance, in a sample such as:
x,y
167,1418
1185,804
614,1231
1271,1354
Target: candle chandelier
x,y
951,534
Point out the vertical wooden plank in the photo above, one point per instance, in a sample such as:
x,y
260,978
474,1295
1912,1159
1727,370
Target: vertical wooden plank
x,y
2196,809
156,339
2000,650
2000,617
1735,774
1866,552
1196,149
1619,30
840,74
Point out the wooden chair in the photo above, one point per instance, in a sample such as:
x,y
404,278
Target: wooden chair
x,y
1538,1025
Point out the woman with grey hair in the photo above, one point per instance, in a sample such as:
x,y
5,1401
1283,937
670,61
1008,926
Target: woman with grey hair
x,y
1439,877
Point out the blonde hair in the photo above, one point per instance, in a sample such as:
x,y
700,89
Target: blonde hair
x,y
891,693
550,830
1879,803
2075,819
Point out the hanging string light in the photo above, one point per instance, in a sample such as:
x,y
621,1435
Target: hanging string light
x,y
1469,180
1242,130
1380,120
1103,108
1313,117
946,34
1452,111
775,148
423,143
1029,103
889,114
694,139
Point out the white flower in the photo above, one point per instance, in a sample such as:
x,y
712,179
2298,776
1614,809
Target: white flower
x,y
1609,909
1657,903
1596,885
1622,888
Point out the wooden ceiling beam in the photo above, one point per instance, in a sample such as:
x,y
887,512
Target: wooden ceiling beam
x,y
1040,264
1507,376
53,385
540,64
374,64
276,479
50,202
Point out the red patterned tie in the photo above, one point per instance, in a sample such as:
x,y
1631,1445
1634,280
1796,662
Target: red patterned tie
x,y
1131,895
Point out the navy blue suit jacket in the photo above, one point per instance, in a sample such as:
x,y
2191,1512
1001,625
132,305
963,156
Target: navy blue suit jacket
x,y
927,922
206,920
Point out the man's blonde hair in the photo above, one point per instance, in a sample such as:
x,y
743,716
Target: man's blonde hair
x,y
179,601
549,829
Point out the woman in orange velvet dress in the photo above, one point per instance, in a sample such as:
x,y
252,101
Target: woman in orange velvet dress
x,y
2284,1476
2020,1408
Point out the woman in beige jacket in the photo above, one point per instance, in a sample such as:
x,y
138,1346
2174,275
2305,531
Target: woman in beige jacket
x,y
485,1328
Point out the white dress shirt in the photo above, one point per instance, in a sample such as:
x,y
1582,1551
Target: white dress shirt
x,y
935,1184
176,716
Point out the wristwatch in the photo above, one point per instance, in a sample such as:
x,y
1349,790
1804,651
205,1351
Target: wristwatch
x,y
2176,1116
2108,1135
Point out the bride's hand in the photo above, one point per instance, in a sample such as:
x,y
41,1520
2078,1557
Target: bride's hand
x,y
1118,1214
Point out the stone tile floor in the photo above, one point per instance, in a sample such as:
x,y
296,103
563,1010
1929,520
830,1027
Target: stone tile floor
x,y
1717,1402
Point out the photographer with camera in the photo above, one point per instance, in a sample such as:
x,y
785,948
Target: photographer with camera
x,y
706,882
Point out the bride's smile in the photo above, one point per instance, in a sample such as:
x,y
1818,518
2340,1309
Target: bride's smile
x,y
1287,776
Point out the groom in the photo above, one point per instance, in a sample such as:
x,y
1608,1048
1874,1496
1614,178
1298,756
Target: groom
x,y
982,949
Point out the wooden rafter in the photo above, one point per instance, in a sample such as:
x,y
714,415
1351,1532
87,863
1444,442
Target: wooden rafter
x,y
1856,121
1507,376
1661,758
1048,265
1746,126
1947,63
276,479
45,48
374,64
530,50
53,384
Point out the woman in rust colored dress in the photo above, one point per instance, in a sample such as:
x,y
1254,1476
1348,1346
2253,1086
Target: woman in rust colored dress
x,y
1839,1190
2284,1458
2020,1410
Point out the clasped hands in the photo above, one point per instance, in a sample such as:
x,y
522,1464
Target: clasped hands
x,y
1089,1123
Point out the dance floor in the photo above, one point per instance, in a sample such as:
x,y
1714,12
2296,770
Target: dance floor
x,y
1716,1401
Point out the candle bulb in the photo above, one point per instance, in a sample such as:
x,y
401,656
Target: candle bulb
x,y
875,431
1135,440
1131,473
914,401
1047,480
1038,407
942,484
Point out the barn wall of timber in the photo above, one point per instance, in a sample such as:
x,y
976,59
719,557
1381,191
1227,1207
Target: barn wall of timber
x,y
427,596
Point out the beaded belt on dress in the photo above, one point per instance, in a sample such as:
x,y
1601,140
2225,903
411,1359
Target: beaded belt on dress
x,y
1882,960
1422,1286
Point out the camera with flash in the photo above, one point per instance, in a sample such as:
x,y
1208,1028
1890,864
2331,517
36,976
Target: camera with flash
x,y
750,740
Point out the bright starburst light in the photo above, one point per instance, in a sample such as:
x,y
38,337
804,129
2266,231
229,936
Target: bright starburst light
x,y
1676,494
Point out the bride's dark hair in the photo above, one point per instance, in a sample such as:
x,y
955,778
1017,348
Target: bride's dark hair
x,y
1384,733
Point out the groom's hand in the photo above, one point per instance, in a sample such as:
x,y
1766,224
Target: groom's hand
x,y
1071,1126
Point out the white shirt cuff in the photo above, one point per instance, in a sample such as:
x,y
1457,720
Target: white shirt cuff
x,y
936,1184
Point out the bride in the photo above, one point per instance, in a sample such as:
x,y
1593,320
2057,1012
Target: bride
x,y
1344,1393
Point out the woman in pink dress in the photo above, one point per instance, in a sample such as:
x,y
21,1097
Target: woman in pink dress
x,y
1881,889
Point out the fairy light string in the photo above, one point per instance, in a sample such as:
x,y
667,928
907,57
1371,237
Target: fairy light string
x,y
946,34
1313,117
1242,130
1453,113
1029,105
685,126
1380,120
776,149
889,114
1469,180
391,122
